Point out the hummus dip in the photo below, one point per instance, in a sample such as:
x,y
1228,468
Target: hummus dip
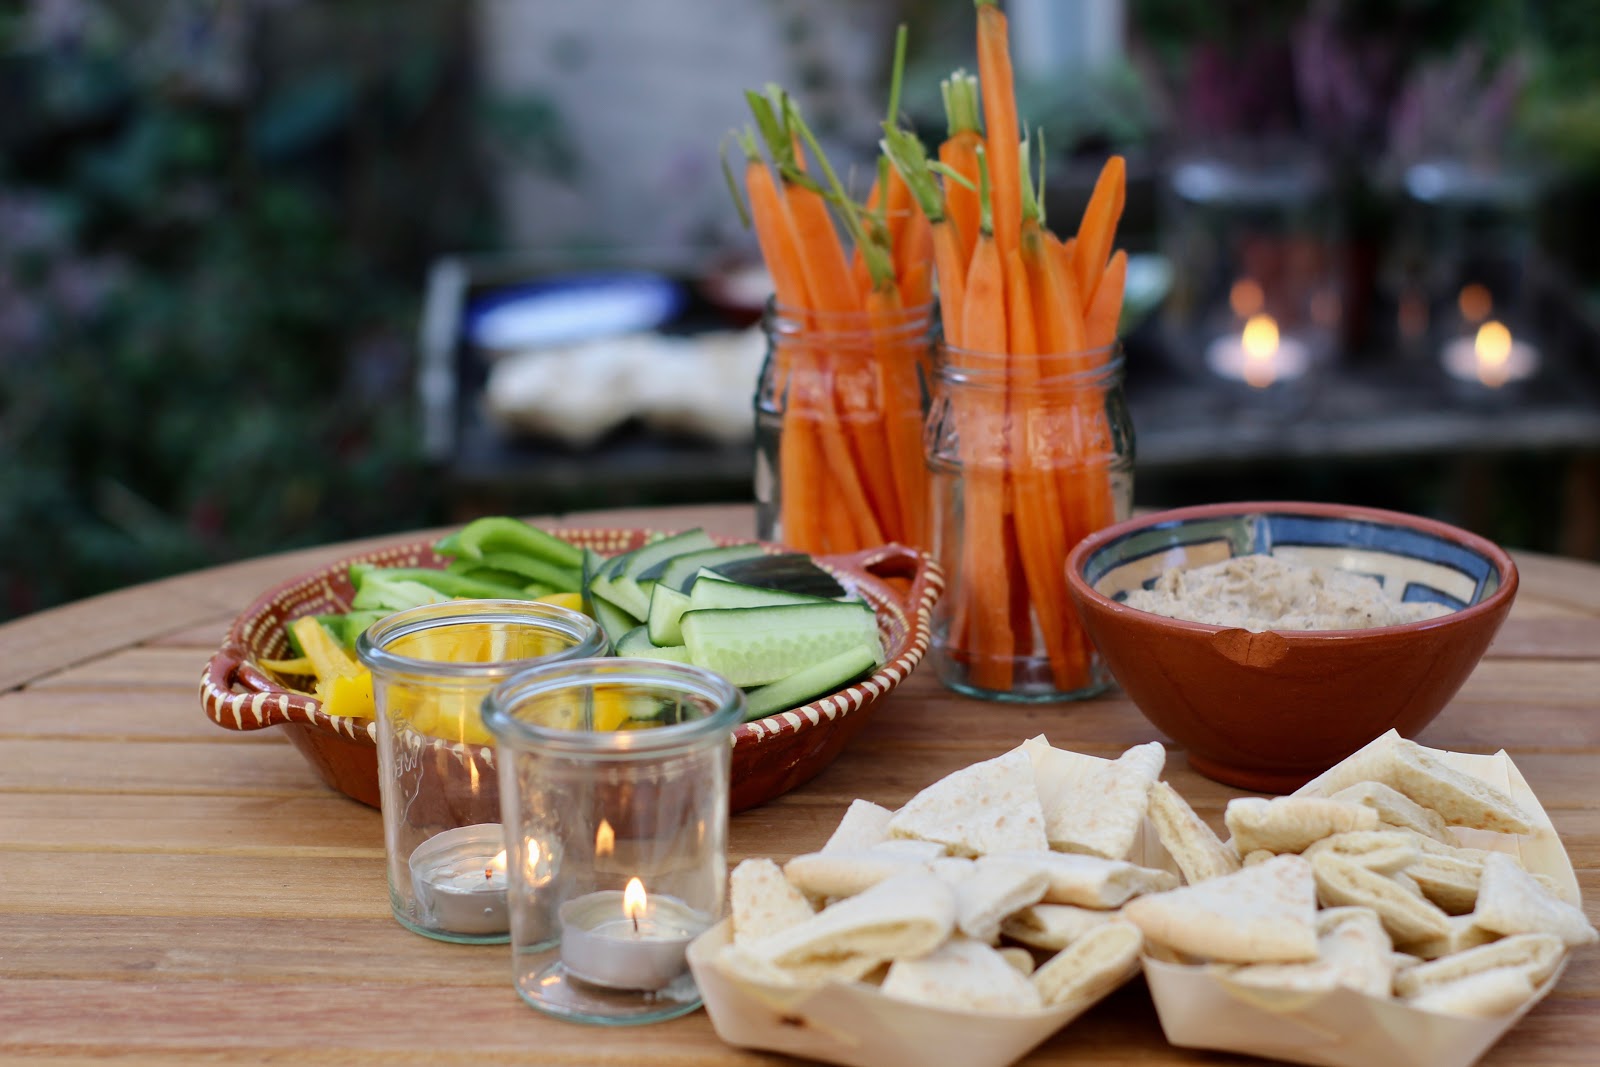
x,y
1259,593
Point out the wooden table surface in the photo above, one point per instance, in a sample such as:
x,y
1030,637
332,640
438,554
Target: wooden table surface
x,y
172,893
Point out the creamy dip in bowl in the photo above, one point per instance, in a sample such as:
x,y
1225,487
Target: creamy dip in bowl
x,y
1260,593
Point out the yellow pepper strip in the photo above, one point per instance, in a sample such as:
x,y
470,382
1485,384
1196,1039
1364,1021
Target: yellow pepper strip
x,y
295,665
348,696
570,601
343,685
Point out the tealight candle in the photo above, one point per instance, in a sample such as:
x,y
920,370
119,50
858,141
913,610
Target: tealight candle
x,y
1491,357
1260,355
628,940
459,881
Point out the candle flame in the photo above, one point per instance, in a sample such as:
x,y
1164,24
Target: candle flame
x,y
1245,297
1493,349
605,840
496,865
1260,343
634,900
1475,302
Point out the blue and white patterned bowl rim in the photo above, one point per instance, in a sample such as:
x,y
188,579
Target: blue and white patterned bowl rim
x,y
1420,565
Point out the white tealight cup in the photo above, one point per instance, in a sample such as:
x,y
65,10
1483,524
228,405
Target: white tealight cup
x,y
603,946
459,880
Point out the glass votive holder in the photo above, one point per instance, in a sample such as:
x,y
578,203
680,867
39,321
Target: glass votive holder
x,y
615,838
431,668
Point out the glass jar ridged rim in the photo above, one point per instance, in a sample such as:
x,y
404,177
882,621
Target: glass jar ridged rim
x,y
499,707
371,647
970,366
783,322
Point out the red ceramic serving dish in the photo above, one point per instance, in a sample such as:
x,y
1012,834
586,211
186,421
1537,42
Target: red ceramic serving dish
x,y
1269,711
770,756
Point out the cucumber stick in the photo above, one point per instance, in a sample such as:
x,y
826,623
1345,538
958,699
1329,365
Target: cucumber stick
x,y
817,680
636,642
667,606
720,594
755,646
649,561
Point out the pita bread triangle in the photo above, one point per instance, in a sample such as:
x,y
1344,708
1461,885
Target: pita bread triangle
x,y
1419,773
1510,901
908,915
763,902
1193,845
963,974
864,824
1260,914
1094,806
991,806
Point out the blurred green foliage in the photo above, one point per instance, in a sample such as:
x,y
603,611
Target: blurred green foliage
x,y
215,221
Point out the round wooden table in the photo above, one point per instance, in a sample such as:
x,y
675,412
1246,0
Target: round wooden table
x,y
171,892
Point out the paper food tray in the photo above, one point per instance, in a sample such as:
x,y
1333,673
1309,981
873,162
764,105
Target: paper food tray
x,y
855,1024
1201,1009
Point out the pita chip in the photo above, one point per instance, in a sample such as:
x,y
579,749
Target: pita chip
x,y
1394,808
1408,768
1353,951
763,902
1384,851
1464,933
964,975
1537,955
1194,846
1407,917
905,916
741,963
1091,806
1292,824
991,806
926,851
844,874
1089,881
1449,882
1091,966
1259,855
1053,926
1020,958
1479,996
1262,914
1511,901
995,890
953,871
864,824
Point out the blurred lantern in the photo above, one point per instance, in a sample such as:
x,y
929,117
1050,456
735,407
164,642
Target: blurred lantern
x,y
1256,301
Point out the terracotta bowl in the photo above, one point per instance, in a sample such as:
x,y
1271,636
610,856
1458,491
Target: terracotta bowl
x,y
1269,711
770,756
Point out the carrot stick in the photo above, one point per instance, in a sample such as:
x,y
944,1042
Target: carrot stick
x,y
959,152
896,357
984,329
914,245
1099,225
916,287
1000,122
910,160
1100,321
799,514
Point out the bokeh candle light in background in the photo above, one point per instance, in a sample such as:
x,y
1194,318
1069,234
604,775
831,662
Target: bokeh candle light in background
x,y
1490,357
1260,355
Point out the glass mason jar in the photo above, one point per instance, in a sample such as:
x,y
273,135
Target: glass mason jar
x,y
1028,455
615,838
840,408
431,668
